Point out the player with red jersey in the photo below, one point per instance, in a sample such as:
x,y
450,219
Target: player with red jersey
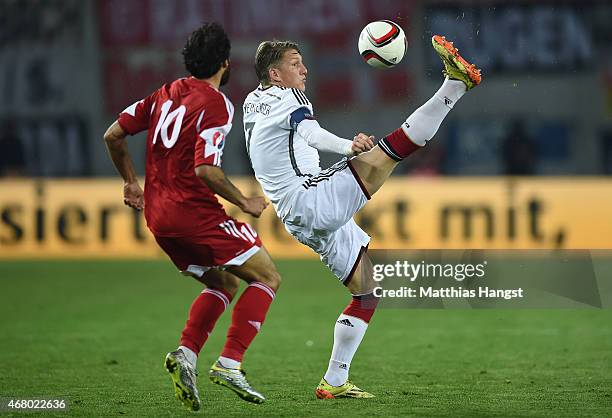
x,y
187,122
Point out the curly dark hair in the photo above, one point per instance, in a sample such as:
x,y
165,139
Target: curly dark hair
x,y
206,50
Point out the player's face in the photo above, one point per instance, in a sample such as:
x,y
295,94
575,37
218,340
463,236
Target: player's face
x,y
291,71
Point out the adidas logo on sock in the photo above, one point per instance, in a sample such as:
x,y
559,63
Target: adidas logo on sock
x,y
256,324
343,366
345,322
447,101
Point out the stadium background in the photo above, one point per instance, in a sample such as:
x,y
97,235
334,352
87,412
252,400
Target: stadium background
x,y
68,67
522,162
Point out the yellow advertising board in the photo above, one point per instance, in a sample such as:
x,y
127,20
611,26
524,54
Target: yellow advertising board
x,y
87,219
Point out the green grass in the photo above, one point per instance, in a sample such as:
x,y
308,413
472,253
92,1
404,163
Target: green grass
x,y
96,333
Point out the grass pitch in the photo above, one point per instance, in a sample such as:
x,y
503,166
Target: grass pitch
x,y
95,333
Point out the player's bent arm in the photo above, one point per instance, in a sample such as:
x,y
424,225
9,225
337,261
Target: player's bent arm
x,y
118,150
114,137
323,140
215,178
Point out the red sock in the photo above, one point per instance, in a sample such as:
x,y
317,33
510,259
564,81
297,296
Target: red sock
x,y
362,307
203,315
248,316
397,145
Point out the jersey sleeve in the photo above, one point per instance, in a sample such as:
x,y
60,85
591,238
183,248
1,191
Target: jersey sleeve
x,y
135,118
296,108
216,125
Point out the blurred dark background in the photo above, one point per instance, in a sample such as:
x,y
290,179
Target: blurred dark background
x,y
68,67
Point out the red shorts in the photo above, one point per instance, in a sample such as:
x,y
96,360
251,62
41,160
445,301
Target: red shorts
x,y
230,243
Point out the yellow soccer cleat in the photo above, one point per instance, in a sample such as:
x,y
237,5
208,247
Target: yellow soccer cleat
x,y
183,379
235,379
347,390
455,67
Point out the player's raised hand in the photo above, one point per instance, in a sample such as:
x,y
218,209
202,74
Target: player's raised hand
x,y
362,143
133,196
255,205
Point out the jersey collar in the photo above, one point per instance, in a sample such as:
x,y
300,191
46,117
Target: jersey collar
x,y
261,88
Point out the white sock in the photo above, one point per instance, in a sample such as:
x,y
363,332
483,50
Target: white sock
x,y
229,363
191,357
348,333
423,124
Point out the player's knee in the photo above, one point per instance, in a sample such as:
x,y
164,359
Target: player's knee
x,y
231,285
362,281
271,279
275,280
360,287
367,284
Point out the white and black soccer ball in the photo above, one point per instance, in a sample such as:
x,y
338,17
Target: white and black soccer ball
x,y
382,44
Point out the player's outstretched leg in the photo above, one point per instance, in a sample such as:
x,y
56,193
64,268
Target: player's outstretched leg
x,y
203,315
247,318
349,331
374,167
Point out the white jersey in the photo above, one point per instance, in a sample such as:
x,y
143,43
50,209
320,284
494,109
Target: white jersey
x,y
281,159
287,167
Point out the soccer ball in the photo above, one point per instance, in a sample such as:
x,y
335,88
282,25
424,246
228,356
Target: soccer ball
x,y
382,44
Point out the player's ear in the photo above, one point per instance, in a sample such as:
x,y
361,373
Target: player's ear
x,y
226,63
274,74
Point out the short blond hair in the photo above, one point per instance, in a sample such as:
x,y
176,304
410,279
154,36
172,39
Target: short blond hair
x,y
268,54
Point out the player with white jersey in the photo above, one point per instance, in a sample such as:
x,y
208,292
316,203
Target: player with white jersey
x,y
283,173
283,139
285,160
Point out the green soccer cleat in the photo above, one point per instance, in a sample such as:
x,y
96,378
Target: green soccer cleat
x,y
184,379
455,67
347,390
235,379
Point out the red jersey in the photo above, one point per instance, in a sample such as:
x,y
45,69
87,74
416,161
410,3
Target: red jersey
x,y
187,122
